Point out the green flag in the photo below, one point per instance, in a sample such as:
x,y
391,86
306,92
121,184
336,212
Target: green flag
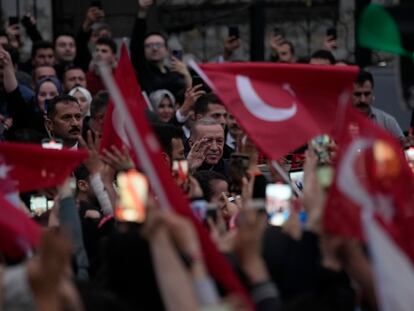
x,y
378,30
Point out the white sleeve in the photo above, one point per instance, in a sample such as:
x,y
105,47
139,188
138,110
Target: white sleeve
x,y
100,192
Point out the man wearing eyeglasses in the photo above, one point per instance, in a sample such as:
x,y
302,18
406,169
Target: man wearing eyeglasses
x,y
149,53
363,98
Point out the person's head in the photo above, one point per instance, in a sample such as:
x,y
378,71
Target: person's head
x,y
105,51
99,105
84,98
65,48
163,103
286,52
322,57
210,106
64,119
47,89
43,72
233,127
213,134
99,30
155,47
73,76
43,54
363,92
213,185
171,140
84,190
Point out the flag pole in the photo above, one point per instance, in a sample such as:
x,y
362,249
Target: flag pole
x,y
286,178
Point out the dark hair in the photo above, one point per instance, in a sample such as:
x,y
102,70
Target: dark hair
x,y
108,42
156,33
71,67
290,44
67,34
81,172
99,101
51,107
41,45
364,76
205,178
201,105
165,134
324,54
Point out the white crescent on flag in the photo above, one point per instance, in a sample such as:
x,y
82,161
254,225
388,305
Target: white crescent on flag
x,y
258,107
347,181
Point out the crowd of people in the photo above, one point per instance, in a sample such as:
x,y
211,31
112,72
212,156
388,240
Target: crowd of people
x,y
89,259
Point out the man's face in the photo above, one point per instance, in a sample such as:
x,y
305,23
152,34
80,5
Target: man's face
x,y
65,49
155,48
72,78
285,54
214,136
44,57
105,54
233,126
177,149
218,113
43,72
363,97
67,122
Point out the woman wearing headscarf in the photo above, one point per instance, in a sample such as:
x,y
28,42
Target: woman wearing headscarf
x,y
84,98
163,104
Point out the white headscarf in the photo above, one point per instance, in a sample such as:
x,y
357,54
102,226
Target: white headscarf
x,y
157,96
86,94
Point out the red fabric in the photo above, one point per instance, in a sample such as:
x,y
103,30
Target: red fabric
x,y
27,167
160,176
18,233
314,91
388,187
94,83
114,131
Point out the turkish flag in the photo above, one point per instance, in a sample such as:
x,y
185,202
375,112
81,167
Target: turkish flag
x,y
27,167
114,125
372,198
147,150
281,106
18,233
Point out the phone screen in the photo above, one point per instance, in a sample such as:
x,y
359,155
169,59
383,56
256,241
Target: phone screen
x,y
297,178
133,195
38,204
278,203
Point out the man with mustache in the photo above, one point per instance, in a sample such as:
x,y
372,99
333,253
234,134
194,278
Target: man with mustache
x,y
363,98
64,120
207,142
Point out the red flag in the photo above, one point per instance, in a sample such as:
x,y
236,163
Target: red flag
x,y
280,106
372,197
114,126
145,145
18,233
26,167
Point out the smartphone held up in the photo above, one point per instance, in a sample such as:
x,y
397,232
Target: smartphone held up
x,y
133,196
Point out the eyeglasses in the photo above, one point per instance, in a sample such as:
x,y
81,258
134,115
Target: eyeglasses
x,y
156,45
359,94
